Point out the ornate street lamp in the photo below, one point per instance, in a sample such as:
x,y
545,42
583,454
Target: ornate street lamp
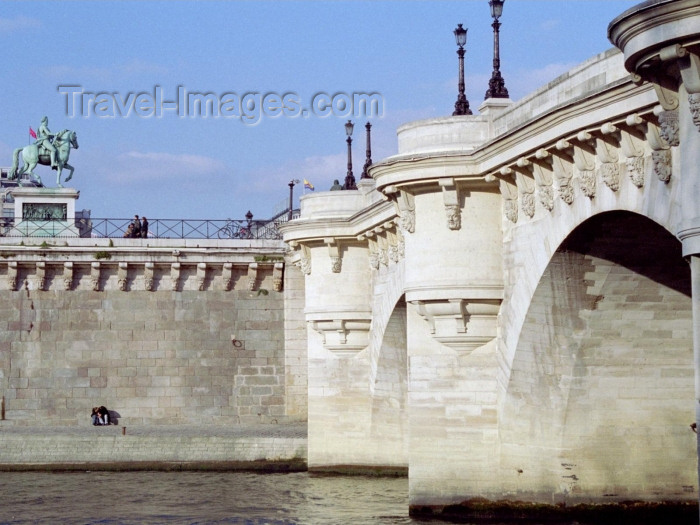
x,y
462,104
349,178
497,86
368,157
291,197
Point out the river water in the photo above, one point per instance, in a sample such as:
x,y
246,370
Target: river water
x,y
201,498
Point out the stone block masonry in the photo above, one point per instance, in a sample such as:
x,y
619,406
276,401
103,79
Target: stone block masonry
x,y
203,343
174,447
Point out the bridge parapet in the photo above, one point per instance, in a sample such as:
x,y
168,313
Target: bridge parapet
x,y
100,268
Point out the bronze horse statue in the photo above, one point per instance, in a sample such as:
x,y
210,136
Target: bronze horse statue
x,y
33,155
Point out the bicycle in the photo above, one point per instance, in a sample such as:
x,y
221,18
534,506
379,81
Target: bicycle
x,y
233,231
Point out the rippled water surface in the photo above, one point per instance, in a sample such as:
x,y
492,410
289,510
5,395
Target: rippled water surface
x,y
196,497
219,497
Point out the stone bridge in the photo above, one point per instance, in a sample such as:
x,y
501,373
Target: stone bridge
x,y
507,308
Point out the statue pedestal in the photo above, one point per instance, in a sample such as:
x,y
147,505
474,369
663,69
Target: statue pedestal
x,y
44,212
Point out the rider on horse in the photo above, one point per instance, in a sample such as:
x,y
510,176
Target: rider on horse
x,y
44,138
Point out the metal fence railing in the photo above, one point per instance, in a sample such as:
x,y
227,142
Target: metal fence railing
x,y
157,228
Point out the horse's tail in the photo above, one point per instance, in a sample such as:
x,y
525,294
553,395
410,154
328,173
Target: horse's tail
x,y
15,163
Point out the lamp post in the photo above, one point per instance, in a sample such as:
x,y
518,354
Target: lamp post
x,y
462,104
368,157
497,86
291,197
349,178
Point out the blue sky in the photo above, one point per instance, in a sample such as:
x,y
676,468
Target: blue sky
x,y
204,167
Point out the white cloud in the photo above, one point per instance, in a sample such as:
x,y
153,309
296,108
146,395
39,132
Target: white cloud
x,y
18,23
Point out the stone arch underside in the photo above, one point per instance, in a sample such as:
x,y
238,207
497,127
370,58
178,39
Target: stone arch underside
x,y
390,388
357,404
601,390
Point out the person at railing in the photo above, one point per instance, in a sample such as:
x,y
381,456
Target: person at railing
x,y
136,230
144,227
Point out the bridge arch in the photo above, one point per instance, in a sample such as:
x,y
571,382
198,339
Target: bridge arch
x,y
603,366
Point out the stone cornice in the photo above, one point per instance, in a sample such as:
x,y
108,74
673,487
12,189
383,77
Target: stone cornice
x,y
348,228
549,127
645,29
145,275
85,254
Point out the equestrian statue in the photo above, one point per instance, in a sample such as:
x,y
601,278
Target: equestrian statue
x,y
49,149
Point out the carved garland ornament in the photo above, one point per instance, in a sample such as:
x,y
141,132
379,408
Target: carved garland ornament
x,y
610,173
635,170
546,194
662,164
670,131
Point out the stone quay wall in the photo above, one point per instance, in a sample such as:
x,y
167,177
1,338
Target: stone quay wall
x,y
159,335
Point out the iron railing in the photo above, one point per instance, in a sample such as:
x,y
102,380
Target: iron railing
x,y
157,228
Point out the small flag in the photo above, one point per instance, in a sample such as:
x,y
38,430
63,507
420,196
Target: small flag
x,y
32,133
308,185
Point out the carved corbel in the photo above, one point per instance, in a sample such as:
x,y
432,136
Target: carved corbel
x,y
175,276
393,243
12,275
607,146
666,87
227,276
632,136
509,192
461,324
373,250
690,73
277,276
40,275
524,180
562,164
122,275
201,275
95,274
334,252
656,70
401,243
382,246
148,277
343,337
584,159
450,197
542,171
305,259
252,276
405,207
68,275
660,154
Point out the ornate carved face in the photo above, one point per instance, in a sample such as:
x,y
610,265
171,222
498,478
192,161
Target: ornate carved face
x,y
408,221
454,219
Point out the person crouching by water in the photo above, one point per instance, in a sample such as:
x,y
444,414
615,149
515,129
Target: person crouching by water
x,y
100,416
